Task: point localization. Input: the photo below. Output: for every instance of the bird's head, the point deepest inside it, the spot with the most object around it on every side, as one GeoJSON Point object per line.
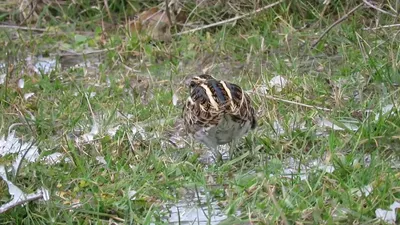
{"type": "Point", "coordinates": [199, 79]}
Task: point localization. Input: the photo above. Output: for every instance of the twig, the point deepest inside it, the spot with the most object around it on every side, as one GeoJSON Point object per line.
{"type": "Point", "coordinates": [90, 107]}
{"type": "Point", "coordinates": [129, 68]}
{"type": "Point", "coordinates": [131, 145]}
{"type": "Point", "coordinates": [108, 12]}
{"type": "Point", "coordinates": [282, 214]}
{"type": "Point", "coordinates": [23, 28]}
{"type": "Point", "coordinates": [30, 197]}
{"type": "Point", "coordinates": [335, 24]}
{"type": "Point", "coordinates": [229, 20]}
{"type": "Point", "coordinates": [381, 27]}
{"type": "Point", "coordinates": [19, 160]}
{"type": "Point", "coordinates": [14, 125]}
{"type": "Point", "coordinates": [99, 214]}
{"type": "Point", "coordinates": [73, 53]}
{"type": "Point", "coordinates": [24, 117]}
{"type": "Point", "coordinates": [41, 29]}
{"type": "Point", "coordinates": [378, 9]}
{"type": "Point", "coordinates": [168, 12]}
{"type": "Point", "coordinates": [297, 103]}
{"type": "Point", "coordinates": [30, 12]}
{"type": "Point", "coordinates": [326, 5]}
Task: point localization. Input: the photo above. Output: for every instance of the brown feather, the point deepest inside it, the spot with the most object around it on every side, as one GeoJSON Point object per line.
{"type": "Point", "coordinates": [210, 100]}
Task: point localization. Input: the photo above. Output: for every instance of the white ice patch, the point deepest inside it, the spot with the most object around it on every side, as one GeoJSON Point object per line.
{"type": "Point", "coordinates": [18, 196]}
{"type": "Point", "coordinates": [21, 83]}
{"type": "Point", "coordinates": [327, 168]}
{"type": "Point", "coordinates": [16, 193]}
{"type": "Point", "coordinates": [28, 95]}
{"type": "Point", "coordinates": [263, 89]}
{"type": "Point", "coordinates": [11, 144]}
{"type": "Point", "coordinates": [384, 111]}
{"type": "Point", "coordinates": [389, 216]}
{"type": "Point", "coordinates": [88, 137]}
{"type": "Point", "coordinates": [44, 65]}
{"type": "Point", "coordinates": [112, 131]}
{"type": "Point", "coordinates": [124, 116]}
{"type": "Point", "coordinates": [132, 194]}
{"type": "Point", "coordinates": [278, 128]}
{"type": "Point", "coordinates": [108, 82]}
{"type": "Point", "coordinates": [363, 191]}
{"type": "Point", "coordinates": [278, 82]}
{"type": "Point", "coordinates": [101, 160]}
{"type": "Point", "coordinates": [175, 99]}
{"type": "Point", "coordinates": [55, 158]}
{"type": "Point", "coordinates": [325, 123]}
{"type": "Point", "coordinates": [292, 172]}
{"type": "Point", "coordinates": [138, 130]}
{"type": "Point", "coordinates": [294, 168]}
{"type": "Point", "coordinates": [2, 78]}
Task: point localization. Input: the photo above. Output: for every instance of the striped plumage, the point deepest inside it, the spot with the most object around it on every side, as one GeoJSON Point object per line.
{"type": "Point", "coordinates": [217, 112]}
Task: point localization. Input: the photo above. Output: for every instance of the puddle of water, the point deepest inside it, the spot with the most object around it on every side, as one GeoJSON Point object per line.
{"type": "Point", "coordinates": [41, 65]}
{"type": "Point", "coordinates": [195, 208]}
{"type": "Point", "coordinates": [45, 65]}
{"type": "Point", "coordinates": [186, 213]}
{"type": "Point", "coordinates": [55, 158]}
{"type": "Point", "coordinates": [296, 168]}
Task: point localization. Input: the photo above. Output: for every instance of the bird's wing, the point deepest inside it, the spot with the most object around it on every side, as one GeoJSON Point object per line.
{"type": "Point", "coordinates": [239, 104]}
{"type": "Point", "coordinates": [211, 100]}
{"type": "Point", "coordinates": [200, 110]}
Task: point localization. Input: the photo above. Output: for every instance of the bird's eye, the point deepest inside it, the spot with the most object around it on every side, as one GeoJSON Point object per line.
{"type": "Point", "coordinates": [192, 84]}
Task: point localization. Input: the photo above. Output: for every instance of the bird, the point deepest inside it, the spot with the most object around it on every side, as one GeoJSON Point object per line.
{"type": "Point", "coordinates": [217, 112]}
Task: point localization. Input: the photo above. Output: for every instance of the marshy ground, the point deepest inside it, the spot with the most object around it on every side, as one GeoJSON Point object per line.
{"type": "Point", "coordinates": [93, 104]}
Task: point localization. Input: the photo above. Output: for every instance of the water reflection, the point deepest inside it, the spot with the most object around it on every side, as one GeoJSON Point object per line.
{"type": "Point", "coordinates": [197, 207]}
{"type": "Point", "coordinates": [185, 212]}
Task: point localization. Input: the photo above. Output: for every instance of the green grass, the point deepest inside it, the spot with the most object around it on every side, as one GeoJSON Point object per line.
{"type": "Point", "coordinates": [348, 60]}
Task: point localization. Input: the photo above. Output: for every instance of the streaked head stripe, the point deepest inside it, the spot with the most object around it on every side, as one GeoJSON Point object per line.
{"type": "Point", "coordinates": [228, 91]}
{"type": "Point", "coordinates": [218, 91]}
{"type": "Point", "coordinates": [209, 95]}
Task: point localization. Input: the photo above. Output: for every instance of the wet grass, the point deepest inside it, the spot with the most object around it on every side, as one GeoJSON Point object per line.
{"type": "Point", "coordinates": [353, 72]}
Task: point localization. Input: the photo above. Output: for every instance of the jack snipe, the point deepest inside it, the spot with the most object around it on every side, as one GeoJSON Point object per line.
{"type": "Point", "coordinates": [217, 112]}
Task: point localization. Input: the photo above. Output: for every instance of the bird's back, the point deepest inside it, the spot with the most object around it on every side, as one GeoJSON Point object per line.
{"type": "Point", "coordinates": [217, 112]}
